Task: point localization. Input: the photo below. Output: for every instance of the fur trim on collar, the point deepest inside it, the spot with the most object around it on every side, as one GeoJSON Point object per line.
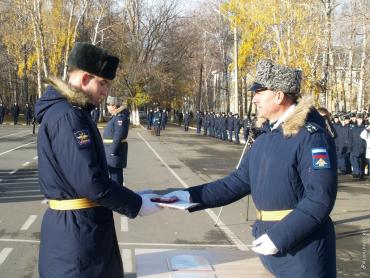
{"type": "Point", "coordinates": [297, 119]}
{"type": "Point", "coordinates": [72, 95]}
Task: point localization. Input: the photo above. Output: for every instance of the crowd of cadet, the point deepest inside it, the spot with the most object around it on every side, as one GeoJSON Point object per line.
{"type": "Point", "coordinates": [350, 131]}
{"type": "Point", "coordinates": [15, 111]}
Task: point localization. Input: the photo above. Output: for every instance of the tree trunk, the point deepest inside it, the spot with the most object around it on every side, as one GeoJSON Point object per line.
{"type": "Point", "coordinates": [68, 42]}
{"type": "Point", "coordinates": [361, 87]}
{"type": "Point", "coordinates": [135, 120]}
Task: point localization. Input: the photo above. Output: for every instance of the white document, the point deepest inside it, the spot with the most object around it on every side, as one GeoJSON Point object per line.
{"type": "Point", "coordinates": [178, 205]}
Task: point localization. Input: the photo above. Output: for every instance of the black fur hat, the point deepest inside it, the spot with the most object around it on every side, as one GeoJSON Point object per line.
{"type": "Point", "coordinates": [94, 60]}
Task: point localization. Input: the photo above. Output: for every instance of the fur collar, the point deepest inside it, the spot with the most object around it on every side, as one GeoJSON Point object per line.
{"type": "Point", "coordinates": [296, 120]}
{"type": "Point", "coordinates": [72, 95]}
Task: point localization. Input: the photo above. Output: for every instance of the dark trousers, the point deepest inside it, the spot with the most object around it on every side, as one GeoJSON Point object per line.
{"type": "Point", "coordinates": [15, 120]}
{"type": "Point", "coordinates": [199, 126]}
{"type": "Point", "coordinates": [116, 174]}
{"type": "Point", "coordinates": [230, 135]}
{"type": "Point", "coordinates": [358, 165]}
{"type": "Point", "coordinates": [157, 129]}
{"type": "Point", "coordinates": [344, 164]}
{"type": "Point", "coordinates": [1, 119]}
{"type": "Point", "coordinates": [237, 137]}
{"type": "Point", "coordinates": [186, 127]}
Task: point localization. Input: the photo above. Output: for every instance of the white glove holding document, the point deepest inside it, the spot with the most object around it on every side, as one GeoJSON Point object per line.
{"type": "Point", "coordinates": [181, 195]}
{"type": "Point", "coordinates": [263, 245]}
{"type": "Point", "coordinates": [147, 206]}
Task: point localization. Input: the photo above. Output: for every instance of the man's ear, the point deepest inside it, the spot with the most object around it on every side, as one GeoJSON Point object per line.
{"type": "Point", "coordinates": [279, 97]}
{"type": "Point", "coordinates": [85, 79]}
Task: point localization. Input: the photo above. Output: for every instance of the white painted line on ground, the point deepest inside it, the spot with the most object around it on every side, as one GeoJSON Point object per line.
{"type": "Point", "coordinates": [136, 243]}
{"type": "Point", "coordinates": [20, 183]}
{"type": "Point", "coordinates": [28, 222]}
{"type": "Point", "coordinates": [21, 146]}
{"type": "Point", "coordinates": [127, 260]}
{"type": "Point", "coordinates": [36, 157]}
{"type": "Point", "coordinates": [45, 201]}
{"type": "Point", "coordinates": [14, 134]}
{"type": "Point", "coordinates": [241, 246]}
{"type": "Point", "coordinates": [26, 163]}
{"type": "Point", "coordinates": [21, 197]}
{"type": "Point", "coordinates": [20, 191]}
{"type": "Point", "coordinates": [124, 224]}
{"type": "Point", "coordinates": [4, 254]}
{"type": "Point", "coordinates": [13, 172]}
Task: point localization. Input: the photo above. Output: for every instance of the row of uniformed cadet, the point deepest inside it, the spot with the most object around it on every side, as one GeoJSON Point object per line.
{"type": "Point", "coordinates": [290, 172]}
{"type": "Point", "coordinates": [78, 238]}
{"type": "Point", "coordinates": [15, 110]}
{"type": "Point", "coordinates": [222, 126]}
{"type": "Point", "coordinates": [351, 148]}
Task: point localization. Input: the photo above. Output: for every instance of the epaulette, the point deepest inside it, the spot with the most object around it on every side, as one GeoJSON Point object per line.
{"type": "Point", "coordinates": [310, 128]}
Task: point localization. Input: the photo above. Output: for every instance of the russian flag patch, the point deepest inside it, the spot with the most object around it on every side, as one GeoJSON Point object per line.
{"type": "Point", "coordinates": [320, 158]}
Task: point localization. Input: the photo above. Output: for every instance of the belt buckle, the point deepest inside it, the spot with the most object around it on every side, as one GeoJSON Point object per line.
{"type": "Point", "coordinates": [258, 215]}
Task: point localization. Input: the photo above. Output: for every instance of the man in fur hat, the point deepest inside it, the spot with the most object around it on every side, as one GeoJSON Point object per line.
{"type": "Point", "coordinates": [78, 238]}
{"type": "Point", "coordinates": [114, 138]}
{"type": "Point", "coordinates": [290, 171]}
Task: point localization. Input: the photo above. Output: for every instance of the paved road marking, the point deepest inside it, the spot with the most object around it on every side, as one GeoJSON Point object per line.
{"type": "Point", "coordinates": [28, 222]}
{"type": "Point", "coordinates": [21, 191]}
{"type": "Point", "coordinates": [20, 183]}
{"type": "Point", "coordinates": [211, 214]}
{"type": "Point", "coordinates": [124, 224]}
{"type": "Point", "coordinates": [22, 197]}
{"type": "Point", "coordinates": [26, 163]}
{"type": "Point", "coordinates": [136, 243]}
{"type": "Point", "coordinates": [127, 260]}
{"type": "Point", "coordinates": [21, 146]}
{"type": "Point", "coordinates": [13, 172]}
{"type": "Point", "coordinates": [14, 134]}
{"type": "Point", "coordinates": [36, 157]}
{"type": "Point", "coordinates": [45, 201]}
{"type": "Point", "coordinates": [4, 254]}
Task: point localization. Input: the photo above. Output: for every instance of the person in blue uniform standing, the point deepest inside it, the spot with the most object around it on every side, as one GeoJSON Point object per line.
{"type": "Point", "coordinates": [290, 171]}
{"type": "Point", "coordinates": [358, 148]}
{"type": "Point", "coordinates": [187, 119]}
{"type": "Point", "coordinates": [164, 119]}
{"type": "Point", "coordinates": [95, 114]}
{"type": "Point", "coordinates": [230, 125]}
{"type": "Point", "coordinates": [237, 126]}
{"type": "Point", "coordinates": [114, 138]}
{"type": "Point", "coordinates": [2, 113]}
{"type": "Point", "coordinates": [78, 238]}
{"type": "Point", "coordinates": [15, 113]}
{"type": "Point", "coordinates": [28, 114]}
{"type": "Point", "coordinates": [198, 121]}
{"type": "Point", "coordinates": [157, 118]}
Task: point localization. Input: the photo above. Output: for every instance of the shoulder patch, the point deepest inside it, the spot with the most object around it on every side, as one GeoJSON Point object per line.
{"type": "Point", "coordinates": [320, 158]}
{"type": "Point", "coordinates": [82, 137]}
{"type": "Point", "coordinates": [310, 128]}
{"type": "Point", "coordinates": [119, 122]}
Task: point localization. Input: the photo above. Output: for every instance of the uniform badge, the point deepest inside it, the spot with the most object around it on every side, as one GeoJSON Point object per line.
{"type": "Point", "coordinates": [83, 137]}
{"type": "Point", "coordinates": [320, 158]}
{"type": "Point", "coordinates": [119, 123]}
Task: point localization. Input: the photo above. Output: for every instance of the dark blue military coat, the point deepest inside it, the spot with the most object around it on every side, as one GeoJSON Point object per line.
{"type": "Point", "coordinates": [290, 169]}
{"type": "Point", "coordinates": [116, 130]}
{"type": "Point", "coordinates": [77, 243]}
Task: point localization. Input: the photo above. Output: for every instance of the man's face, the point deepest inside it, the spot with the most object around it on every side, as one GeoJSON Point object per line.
{"type": "Point", "coordinates": [265, 102]}
{"type": "Point", "coordinates": [110, 108]}
{"type": "Point", "coordinates": [359, 121]}
{"type": "Point", "coordinates": [96, 87]}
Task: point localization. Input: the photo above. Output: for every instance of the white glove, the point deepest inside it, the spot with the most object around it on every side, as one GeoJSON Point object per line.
{"type": "Point", "coordinates": [182, 195]}
{"type": "Point", "coordinates": [148, 207]}
{"type": "Point", "coordinates": [263, 245]}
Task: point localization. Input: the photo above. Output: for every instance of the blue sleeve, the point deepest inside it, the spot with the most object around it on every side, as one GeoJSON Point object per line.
{"type": "Point", "coordinates": [320, 189]}
{"type": "Point", "coordinates": [80, 165]}
{"type": "Point", "coordinates": [121, 126]}
{"type": "Point", "coordinates": [223, 191]}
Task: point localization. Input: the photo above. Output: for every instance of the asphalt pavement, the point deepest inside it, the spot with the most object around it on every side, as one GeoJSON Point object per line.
{"type": "Point", "coordinates": [176, 159]}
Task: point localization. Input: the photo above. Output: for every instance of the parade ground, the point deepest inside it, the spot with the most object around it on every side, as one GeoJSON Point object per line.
{"type": "Point", "coordinates": [156, 246]}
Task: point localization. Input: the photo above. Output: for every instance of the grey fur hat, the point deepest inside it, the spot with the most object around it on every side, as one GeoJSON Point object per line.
{"type": "Point", "coordinates": [117, 101]}
{"type": "Point", "coordinates": [94, 60]}
{"type": "Point", "coordinates": [277, 78]}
